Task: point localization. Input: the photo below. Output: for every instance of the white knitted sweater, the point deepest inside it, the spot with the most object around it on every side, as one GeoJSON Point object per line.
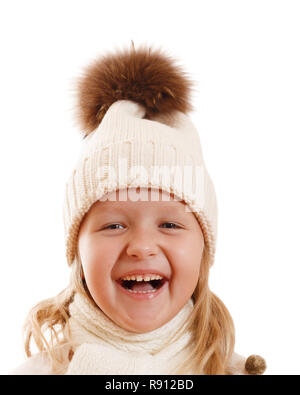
{"type": "Point", "coordinates": [103, 348]}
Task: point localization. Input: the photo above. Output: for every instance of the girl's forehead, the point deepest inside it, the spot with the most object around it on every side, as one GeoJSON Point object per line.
{"type": "Point", "coordinates": [134, 200]}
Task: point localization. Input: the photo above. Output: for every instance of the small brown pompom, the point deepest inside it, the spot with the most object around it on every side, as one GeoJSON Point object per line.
{"type": "Point", "coordinates": [255, 365]}
{"type": "Point", "coordinates": [143, 75]}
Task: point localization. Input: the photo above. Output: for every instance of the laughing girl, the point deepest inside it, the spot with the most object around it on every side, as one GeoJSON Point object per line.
{"type": "Point", "coordinates": [140, 218]}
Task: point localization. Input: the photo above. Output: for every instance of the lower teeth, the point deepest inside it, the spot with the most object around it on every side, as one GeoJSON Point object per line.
{"type": "Point", "coordinates": [142, 292]}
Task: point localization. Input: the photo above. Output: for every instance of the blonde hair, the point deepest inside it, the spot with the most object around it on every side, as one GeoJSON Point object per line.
{"type": "Point", "coordinates": [210, 323]}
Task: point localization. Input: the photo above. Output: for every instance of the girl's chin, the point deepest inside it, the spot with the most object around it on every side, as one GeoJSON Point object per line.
{"type": "Point", "coordinates": [137, 313]}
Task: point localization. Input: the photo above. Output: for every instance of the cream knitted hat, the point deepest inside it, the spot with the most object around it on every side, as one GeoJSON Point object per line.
{"type": "Point", "coordinates": [132, 106]}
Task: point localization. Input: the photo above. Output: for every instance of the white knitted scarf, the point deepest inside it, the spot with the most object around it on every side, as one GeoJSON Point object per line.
{"type": "Point", "coordinates": [102, 347]}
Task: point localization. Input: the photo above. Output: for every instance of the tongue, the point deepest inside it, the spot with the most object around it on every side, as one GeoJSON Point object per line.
{"type": "Point", "coordinates": [142, 286]}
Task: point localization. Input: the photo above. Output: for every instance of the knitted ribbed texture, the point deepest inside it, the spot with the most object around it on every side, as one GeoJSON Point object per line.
{"type": "Point", "coordinates": [129, 151]}
{"type": "Point", "coordinates": [102, 347]}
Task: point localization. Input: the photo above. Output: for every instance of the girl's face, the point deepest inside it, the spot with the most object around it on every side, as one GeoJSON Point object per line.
{"type": "Point", "coordinates": [120, 238]}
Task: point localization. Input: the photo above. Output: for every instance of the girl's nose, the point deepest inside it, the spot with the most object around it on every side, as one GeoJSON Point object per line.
{"type": "Point", "coordinates": [142, 247]}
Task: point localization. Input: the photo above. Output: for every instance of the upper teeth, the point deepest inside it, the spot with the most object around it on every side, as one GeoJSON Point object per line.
{"type": "Point", "coordinates": [146, 277]}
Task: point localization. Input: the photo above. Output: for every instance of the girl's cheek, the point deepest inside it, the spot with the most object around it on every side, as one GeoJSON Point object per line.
{"type": "Point", "coordinates": [187, 272]}
{"type": "Point", "coordinates": [94, 249]}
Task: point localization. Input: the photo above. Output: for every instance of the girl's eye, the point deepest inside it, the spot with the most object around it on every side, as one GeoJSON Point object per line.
{"type": "Point", "coordinates": [169, 223]}
{"type": "Point", "coordinates": [109, 227]}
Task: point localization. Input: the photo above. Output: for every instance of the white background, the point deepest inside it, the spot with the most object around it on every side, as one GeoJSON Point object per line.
{"type": "Point", "coordinates": [244, 56]}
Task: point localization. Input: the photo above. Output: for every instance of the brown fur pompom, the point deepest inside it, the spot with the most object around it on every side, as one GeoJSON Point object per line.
{"type": "Point", "coordinates": [143, 75]}
{"type": "Point", "coordinates": [255, 365]}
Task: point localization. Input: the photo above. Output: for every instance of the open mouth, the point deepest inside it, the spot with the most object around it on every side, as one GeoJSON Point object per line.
{"type": "Point", "coordinates": [142, 286]}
